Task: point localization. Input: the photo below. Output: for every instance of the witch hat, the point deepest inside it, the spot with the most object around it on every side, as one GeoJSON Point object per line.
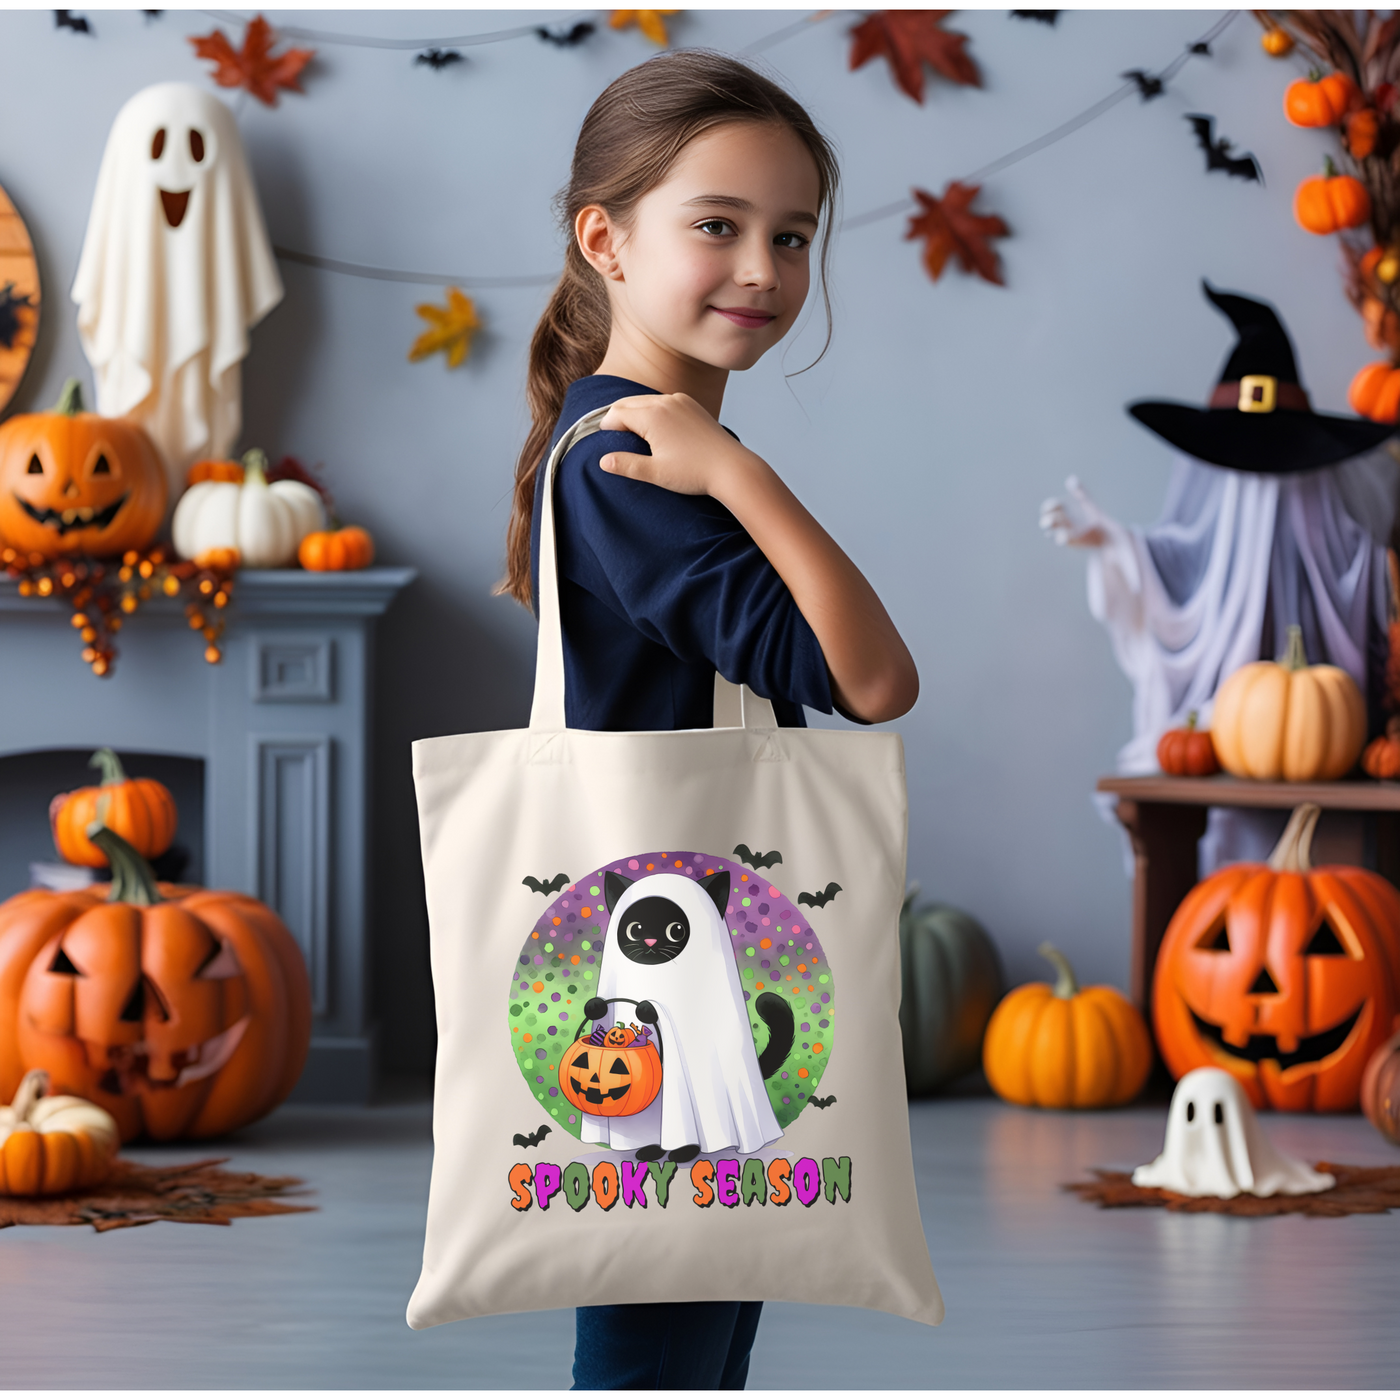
{"type": "Point", "coordinates": [1259, 418]}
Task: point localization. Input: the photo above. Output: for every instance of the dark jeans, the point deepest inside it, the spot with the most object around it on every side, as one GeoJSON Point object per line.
{"type": "Point", "coordinates": [664, 1346]}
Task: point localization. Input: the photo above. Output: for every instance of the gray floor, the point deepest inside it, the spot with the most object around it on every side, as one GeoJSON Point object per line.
{"type": "Point", "coordinates": [1042, 1291]}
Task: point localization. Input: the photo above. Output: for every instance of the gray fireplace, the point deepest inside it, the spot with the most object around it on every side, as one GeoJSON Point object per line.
{"type": "Point", "coordinates": [271, 745]}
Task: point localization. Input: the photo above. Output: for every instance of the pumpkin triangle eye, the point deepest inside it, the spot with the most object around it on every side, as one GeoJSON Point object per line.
{"type": "Point", "coordinates": [582, 1061]}
{"type": "Point", "coordinates": [1216, 942]}
{"type": "Point", "coordinates": [1325, 944]}
{"type": "Point", "coordinates": [102, 467]}
{"type": "Point", "coordinates": [36, 467]}
{"type": "Point", "coordinates": [1264, 985]}
{"type": "Point", "coordinates": [135, 1004]}
{"type": "Point", "coordinates": [618, 1067]}
{"type": "Point", "coordinates": [64, 964]}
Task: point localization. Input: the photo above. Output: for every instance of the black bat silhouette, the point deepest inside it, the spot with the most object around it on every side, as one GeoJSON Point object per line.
{"type": "Point", "coordinates": [822, 897]}
{"type": "Point", "coordinates": [1200, 48]}
{"type": "Point", "coordinates": [823, 1103]}
{"type": "Point", "coordinates": [1148, 87]}
{"type": "Point", "coordinates": [1040, 16]}
{"type": "Point", "coordinates": [546, 886]}
{"type": "Point", "coordinates": [10, 306]}
{"type": "Point", "coordinates": [1217, 151]}
{"type": "Point", "coordinates": [66, 19]}
{"type": "Point", "coordinates": [438, 59]}
{"type": "Point", "coordinates": [530, 1139]}
{"type": "Point", "coordinates": [566, 38]}
{"type": "Point", "coordinates": [758, 860]}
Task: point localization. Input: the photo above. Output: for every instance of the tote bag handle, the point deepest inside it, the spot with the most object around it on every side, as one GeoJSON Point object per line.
{"type": "Point", "coordinates": [736, 707]}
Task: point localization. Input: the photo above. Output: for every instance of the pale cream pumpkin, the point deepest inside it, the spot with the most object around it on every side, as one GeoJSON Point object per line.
{"type": "Point", "coordinates": [52, 1145]}
{"type": "Point", "coordinates": [1287, 720]}
{"type": "Point", "coordinates": [265, 522]}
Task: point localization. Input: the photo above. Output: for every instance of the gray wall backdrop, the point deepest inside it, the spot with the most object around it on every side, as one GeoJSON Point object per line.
{"type": "Point", "coordinates": [925, 440]}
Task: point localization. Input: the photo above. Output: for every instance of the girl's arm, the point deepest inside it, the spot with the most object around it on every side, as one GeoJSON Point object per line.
{"type": "Point", "coordinates": [873, 676]}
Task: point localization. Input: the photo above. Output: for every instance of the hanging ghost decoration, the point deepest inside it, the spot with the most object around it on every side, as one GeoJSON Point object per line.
{"type": "Point", "coordinates": [175, 268]}
{"type": "Point", "coordinates": [1215, 1146]}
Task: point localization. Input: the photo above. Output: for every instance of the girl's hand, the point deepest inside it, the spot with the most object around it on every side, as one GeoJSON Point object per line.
{"type": "Point", "coordinates": [690, 452]}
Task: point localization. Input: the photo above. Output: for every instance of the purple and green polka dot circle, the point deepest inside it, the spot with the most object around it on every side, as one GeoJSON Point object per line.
{"type": "Point", "coordinates": [775, 948]}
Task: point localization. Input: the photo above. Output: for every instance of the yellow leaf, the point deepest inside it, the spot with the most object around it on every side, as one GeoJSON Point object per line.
{"type": "Point", "coordinates": [650, 22]}
{"type": "Point", "coordinates": [450, 328]}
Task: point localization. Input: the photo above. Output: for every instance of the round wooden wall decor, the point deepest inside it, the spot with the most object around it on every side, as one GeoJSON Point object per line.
{"type": "Point", "coordinates": [19, 299]}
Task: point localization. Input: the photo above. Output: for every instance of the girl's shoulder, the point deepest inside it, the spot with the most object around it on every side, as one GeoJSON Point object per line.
{"type": "Point", "coordinates": [591, 392]}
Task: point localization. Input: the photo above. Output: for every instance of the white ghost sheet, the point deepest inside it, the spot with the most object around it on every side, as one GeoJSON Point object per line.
{"type": "Point", "coordinates": [175, 268]}
{"type": "Point", "coordinates": [1215, 1146]}
{"type": "Point", "coordinates": [712, 1093]}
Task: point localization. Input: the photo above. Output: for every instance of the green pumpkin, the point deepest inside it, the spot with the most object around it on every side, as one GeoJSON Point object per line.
{"type": "Point", "coordinates": [952, 982]}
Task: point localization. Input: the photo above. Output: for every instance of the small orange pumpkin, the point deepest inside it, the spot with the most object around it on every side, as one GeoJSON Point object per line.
{"type": "Point", "coordinates": [1375, 391]}
{"type": "Point", "coordinates": [1380, 1089]}
{"type": "Point", "coordinates": [619, 1036]}
{"type": "Point", "coordinates": [1382, 756]}
{"type": "Point", "coordinates": [610, 1081]}
{"type": "Point", "coordinates": [212, 470]}
{"type": "Point", "coordinates": [53, 1145]}
{"type": "Point", "coordinates": [1319, 101]}
{"type": "Point", "coordinates": [1063, 1047]}
{"type": "Point", "coordinates": [1277, 43]}
{"type": "Point", "coordinates": [332, 551]}
{"type": "Point", "coordinates": [1188, 752]}
{"type": "Point", "coordinates": [140, 810]}
{"type": "Point", "coordinates": [76, 483]}
{"type": "Point", "coordinates": [1331, 202]}
{"type": "Point", "coordinates": [1360, 132]}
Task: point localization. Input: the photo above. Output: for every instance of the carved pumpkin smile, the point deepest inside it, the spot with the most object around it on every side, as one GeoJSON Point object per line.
{"type": "Point", "coordinates": [130, 1065]}
{"type": "Point", "coordinates": [1311, 1049]}
{"type": "Point", "coordinates": [74, 518]}
{"type": "Point", "coordinates": [174, 202]}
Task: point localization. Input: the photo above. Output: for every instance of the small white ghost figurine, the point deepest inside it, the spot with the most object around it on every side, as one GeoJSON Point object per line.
{"type": "Point", "coordinates": [1215, 1146]}
{"type": "Point", "coordinates": [175, 268]}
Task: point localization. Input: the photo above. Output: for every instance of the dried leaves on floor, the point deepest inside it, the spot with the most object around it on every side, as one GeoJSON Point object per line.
{"type": "Point", "coordinates": [198, 1193]}
{"type": "Point", "coordinates": [1359, 1191]}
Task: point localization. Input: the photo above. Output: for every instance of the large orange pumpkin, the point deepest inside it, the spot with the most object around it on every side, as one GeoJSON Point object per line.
{"type": "Point", "coordinates": [140, 810]}
{"type": "Point", "coordinates": [182, 1012]}
{"type": "Point", "coordinates": [610, 1081]}
{"type": "Point", "coordinates": [76, 483]}
{"type": "Point", "coordinates": [1330, 202]}
{"type": "Point", "coordinates": [1318, 100]}
{"type": "Point", "coordinates": [1375, 390]}
{"type": "Point", "coordinates": [1286, 976]}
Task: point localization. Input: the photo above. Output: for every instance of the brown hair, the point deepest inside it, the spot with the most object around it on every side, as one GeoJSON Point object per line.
{"type": "Point", "coordinates": [627, 145]}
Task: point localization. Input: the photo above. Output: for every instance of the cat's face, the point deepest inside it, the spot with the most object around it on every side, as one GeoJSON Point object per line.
{"type": "Point", "coordinates": [653, 931]}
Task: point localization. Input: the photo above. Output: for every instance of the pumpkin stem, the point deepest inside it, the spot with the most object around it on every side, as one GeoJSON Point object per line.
{"type": "Point", "coordinates": [1328, 169]}
{"type": "Point", "coordinates": [1065, 985]}
{"type": "Point", "coordinates": [111, 766]}
{"type": "Point", "coordinates": [70, 401]}
{"type": "Point", "coordinates": [1294, 658]}
{"type": "Point", "coordinates": [255, 466]}
{"type": "Point", "coordinates": [1294, 850]}
{"type": "Point", "coordinates": [1191, 717]}
{"type": "Point", "coordinates": [133, 880]}
{"type": "Point", "coordinates": [32, 1088]}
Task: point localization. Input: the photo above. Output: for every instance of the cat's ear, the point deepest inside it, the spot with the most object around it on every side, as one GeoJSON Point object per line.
{"type": "Point", "coordinates": [614, 887]}
{"type": "Point", "coordinates": [717, 887]}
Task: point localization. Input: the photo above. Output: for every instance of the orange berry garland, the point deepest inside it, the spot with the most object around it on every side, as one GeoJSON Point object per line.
{"type": "Point", "coordinates": [105, 592]}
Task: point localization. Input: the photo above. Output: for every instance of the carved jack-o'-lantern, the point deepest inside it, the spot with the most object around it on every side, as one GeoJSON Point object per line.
{"type": "Point", "coordinates": [1286, 976]}
{"type": "Point", "coordinates": [619, 1036]}
{"type": "Point", "coordinates": [182, 1012]}
{"type": "Point", "coordinates": [610, 1081]}
{"type": "Point", "coordinates": [76, 483]}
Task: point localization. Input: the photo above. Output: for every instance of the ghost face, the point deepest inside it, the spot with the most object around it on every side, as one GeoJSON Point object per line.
{"type": "Point", "coordinates": [182, 149]}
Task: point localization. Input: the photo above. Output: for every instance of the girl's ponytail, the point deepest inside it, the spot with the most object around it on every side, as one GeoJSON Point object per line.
{"type": "Point", "coordinates": [626, 147]}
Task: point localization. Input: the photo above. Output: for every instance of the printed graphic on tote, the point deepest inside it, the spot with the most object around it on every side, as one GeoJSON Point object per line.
{"type": "Point", "coordinates": [672, 1004]}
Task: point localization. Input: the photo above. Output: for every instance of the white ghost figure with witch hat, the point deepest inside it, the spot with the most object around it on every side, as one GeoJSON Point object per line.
{"type": "Point", "coordinates": [175, 268]}
{"type": "Point", "coordinates": [669, 962]}
{"type": "Point", "coordinates": [1215, 1146]}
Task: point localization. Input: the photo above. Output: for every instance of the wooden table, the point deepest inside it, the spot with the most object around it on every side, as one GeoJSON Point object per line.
{"type": "Point", "coordinates": [1165, 818]}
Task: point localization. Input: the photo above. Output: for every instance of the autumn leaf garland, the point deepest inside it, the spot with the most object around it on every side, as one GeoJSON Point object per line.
{"type": "Point", "coordinates": [909, 39]}
{"type": "Point", "coordinates": [949, 228]}
{"type": "Point", "coordinates": [254, 66]}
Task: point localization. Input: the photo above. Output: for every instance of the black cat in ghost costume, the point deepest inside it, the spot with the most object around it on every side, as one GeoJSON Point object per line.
{"type": "Point", "coordinates": [669, 962]}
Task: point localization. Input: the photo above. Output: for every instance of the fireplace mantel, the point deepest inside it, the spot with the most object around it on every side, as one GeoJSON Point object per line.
{"type": "Point", "coordinates": [282, 727]}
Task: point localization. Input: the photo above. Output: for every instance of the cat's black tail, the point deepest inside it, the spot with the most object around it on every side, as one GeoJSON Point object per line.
{"type": "Point", "coordinates": [778, 1015]}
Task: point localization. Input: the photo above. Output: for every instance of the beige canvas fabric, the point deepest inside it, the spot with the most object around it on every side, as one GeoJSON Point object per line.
{"type": "Point", "coordinates": [825, 1212]}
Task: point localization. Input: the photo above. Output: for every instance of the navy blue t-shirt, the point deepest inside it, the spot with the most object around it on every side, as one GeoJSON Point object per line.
{"type": "Point", "coordinates": [658, 591]}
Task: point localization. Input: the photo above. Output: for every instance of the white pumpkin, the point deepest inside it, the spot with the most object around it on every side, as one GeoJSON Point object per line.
{"type": "Point", "coordinates": [52, 1145]}
{"type": "Point", "coordinates": [265, 522]}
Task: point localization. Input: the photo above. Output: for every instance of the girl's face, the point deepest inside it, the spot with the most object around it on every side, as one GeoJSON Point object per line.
{"type": "Point", "coordinates": [716, 261]}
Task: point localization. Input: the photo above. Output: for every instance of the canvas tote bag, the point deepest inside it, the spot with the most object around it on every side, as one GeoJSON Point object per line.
{"type": "Point", "coordinates": [667, 976]}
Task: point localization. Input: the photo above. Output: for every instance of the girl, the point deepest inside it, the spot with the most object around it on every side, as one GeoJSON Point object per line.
{"type": "Point", "coordinates": [697, 192]}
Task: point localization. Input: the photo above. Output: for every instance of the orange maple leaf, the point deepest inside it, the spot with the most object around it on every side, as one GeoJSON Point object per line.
{"type": "Point", "coordinates": [908, 39]}
{"type": "Point", "coordinates": [650, 22]}
{"type": "Point", "coordinates": [949, 227]}
{"type": "Point", "coordinates": [254, 66]}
